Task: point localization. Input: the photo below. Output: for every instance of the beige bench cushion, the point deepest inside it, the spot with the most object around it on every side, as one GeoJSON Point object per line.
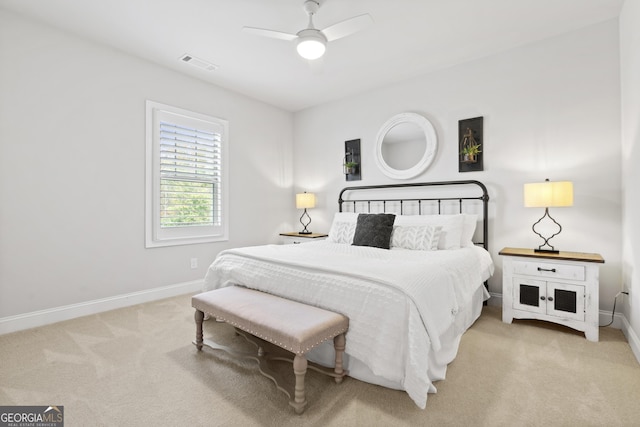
{"type": "Point", "coordinates": [288, 324]}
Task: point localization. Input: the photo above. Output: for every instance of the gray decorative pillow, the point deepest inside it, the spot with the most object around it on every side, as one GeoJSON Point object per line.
{"type": "Point", "coordinates": [374, 230]}
{"type": "Point", "coordinates": [416, 237]}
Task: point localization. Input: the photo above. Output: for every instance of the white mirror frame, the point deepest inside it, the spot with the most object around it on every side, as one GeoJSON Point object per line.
{"type": "Point", "coordinates": [429, 152]}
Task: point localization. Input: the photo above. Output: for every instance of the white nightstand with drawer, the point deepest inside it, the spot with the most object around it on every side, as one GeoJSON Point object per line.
{"type": "Point", "coordinates": [561, 288]}
{"type": "Point", "coordinates": [295, 238]}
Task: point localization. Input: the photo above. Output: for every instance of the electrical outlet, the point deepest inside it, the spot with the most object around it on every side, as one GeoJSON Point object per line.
{"type": "Point", "coordinates": [194, 263]}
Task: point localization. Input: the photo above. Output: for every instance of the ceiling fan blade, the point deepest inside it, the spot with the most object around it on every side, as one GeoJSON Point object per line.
{"type": "Point", "coordinates": [347, 27]}
{"type": "Point", "coordinates": [269, 33]}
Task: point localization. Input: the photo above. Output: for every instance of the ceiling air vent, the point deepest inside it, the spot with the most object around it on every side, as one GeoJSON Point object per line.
{"type": "Point", "coordinates": [197, 62]}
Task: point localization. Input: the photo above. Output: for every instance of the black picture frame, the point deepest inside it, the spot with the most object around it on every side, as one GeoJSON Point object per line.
{"type": "Point", "coordinates": [352, 155]}
{"type": "Point", "coordinates": [470, 131]}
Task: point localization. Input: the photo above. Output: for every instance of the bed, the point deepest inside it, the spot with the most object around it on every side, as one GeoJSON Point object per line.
{"type": "Point", "coordinates": [408, 303]}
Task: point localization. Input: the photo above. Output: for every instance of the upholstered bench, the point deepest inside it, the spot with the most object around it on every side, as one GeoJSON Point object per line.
{"type": "Point", "coordinates": [290, 325]}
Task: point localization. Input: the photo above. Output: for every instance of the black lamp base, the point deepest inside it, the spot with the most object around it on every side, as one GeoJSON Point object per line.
{"type": "Point", "coordinates": [546, 243]}
{"type": "Point", "coordinates": [305, 224]}
{"type": "Point", "coordinates": [546, 251]}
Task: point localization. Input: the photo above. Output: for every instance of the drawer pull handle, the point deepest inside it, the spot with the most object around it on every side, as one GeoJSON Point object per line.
{"type": "Point", "coordinates": [553, 270]}
{"type": "Point", "coordinates": [550, 298]}
{"type": "Point", "coordinates": [542, 298]}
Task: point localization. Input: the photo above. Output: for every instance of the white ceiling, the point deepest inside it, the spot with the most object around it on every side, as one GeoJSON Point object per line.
{"type": "Point", "coordinates": [408, 37]}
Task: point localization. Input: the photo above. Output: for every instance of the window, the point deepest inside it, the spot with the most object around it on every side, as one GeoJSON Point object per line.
{"type": "Point", "coordinates": [186, 177]}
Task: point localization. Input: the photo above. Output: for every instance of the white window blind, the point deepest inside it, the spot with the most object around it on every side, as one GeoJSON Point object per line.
{"type": "Point", "coordinates": [189, 176]}
{"type": "Point", "coordinates": [186, 191]}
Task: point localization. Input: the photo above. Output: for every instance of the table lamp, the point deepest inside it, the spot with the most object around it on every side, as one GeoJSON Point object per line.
{"type": "Point", "coordinates": [547, 195]}
{"type": "Point", "coordinates": [303, 201]}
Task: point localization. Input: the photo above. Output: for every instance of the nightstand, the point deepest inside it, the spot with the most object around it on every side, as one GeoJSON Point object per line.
{"type": "Point", "coordinates": [561, 288]}
{"type": "Point", "coordinates": [295, 238]}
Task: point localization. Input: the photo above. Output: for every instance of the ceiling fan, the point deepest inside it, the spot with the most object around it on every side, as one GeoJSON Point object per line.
{"type": "Point", "coordinates": [311, 42]}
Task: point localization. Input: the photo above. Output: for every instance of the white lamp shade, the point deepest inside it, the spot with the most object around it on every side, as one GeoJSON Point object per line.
{"type": "Point", "coordinates": [548, 194]}
{"type": "Point", "coordinates": [305, 200]}
{"type": "Point", "coordinates": [311, 44]}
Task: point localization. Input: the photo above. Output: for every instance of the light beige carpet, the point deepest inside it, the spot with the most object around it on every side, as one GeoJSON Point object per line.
{"type": "Point", "coordinates": [137, 367]}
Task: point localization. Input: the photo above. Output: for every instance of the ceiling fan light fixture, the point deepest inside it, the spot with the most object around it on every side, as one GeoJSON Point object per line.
{"type": "Point", "coordinates": [311, 44]}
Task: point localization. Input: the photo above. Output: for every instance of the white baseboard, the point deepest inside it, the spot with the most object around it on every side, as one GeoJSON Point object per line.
{"type": "Point", "coordinates": [495, 300]}
{"type": "Point", "coordinates": [632, 338]}
{"type": "Point", "coordinates": [45, 317]}
{"type": "Point", "coordinates": [604, 318]}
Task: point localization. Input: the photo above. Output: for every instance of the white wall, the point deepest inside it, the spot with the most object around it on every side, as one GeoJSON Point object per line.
{"type": "Point", "coordinates": [630, 77]}
{"type": "Point", "coordinates": [551, 110]}
{"type": "Point", "coordinates": [72, 170]}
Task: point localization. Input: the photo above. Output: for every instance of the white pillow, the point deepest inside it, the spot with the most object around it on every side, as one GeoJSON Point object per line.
{"type": "Point", "coordinates": [452, 226]}
{"type": "Point", "coordinates": [343, 227]}
{"type": "Point", "coordinates": [457, 230]}
{"type": "Point", "coordinates": [346, 217]}
{"type": "Point", "coordinates": [468, 230]}
{"type": "Point", "coordinates": [416, 237]}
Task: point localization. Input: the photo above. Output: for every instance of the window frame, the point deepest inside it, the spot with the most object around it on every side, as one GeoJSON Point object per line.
{"type": "Point", "coordinates": [155, 236]}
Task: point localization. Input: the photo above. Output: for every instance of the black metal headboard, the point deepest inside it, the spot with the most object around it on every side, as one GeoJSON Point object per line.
{"type": "Point", "coordinates": [424, 202]}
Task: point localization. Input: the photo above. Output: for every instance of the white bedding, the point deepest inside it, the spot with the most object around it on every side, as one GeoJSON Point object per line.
{"type": "Point", "coordinates": [401, 304]}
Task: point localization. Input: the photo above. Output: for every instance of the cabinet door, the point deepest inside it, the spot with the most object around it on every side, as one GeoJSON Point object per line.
{"type": "Point", "coordinates": [565, 300]}
{"type": "Point", "coordinates": [529, 295]}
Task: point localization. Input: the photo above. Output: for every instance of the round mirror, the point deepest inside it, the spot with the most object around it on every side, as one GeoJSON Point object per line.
{"type": "Point", "coordinates": [405, 146]}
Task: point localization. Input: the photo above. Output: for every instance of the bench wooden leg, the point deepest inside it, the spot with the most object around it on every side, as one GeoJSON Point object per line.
{"type": "Point", "coordinates": [199, 316]}
{"type": "Point", "coordinates": [339, 342]}
{"type": "Point", "coordinates": [299, 369]}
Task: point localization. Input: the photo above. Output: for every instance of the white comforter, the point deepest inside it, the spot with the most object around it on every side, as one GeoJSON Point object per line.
{"type": "Point", "coordinates": [399, 302]}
